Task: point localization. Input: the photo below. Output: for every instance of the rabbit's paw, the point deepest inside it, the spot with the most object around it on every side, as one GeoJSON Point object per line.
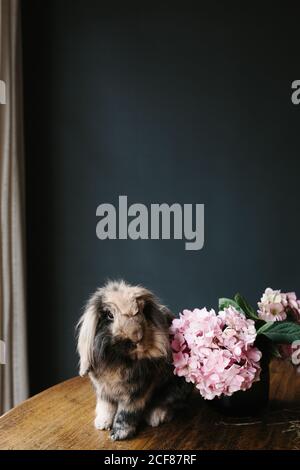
{"type": "Point", "coordinates": [103, 422]}
{"type": "Point", "coordinates": [119, 434]}
{"type": "Point", "coordinates": [158, 416]}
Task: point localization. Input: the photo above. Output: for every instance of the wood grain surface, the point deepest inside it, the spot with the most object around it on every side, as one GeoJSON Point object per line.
{"type": "Point", "coordinates": [62, 418]}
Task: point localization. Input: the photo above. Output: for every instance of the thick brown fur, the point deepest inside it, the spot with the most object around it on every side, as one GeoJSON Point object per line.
{"type": "Point", "coordinates": [124, 347]}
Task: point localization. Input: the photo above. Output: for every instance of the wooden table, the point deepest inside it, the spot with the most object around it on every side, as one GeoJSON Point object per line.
{"type": "Point", "coordinates": [62, 418]}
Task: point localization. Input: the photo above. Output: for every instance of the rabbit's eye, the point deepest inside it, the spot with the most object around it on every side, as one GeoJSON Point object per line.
{"type": "Point", "coordinates": [108, 314]}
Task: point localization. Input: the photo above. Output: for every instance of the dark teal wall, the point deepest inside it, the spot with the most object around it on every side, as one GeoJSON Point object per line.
{"type": "Point", "coordinates": [163, 104]}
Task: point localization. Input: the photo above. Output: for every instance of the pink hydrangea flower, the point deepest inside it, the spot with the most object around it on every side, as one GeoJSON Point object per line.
{"type": "Point", "coordinates": [291, 352]}
{"type": "Point", "coordinates": [293, 305]}
{"type": "Point", "coordinates": [275, 305]}
{"type": "Point", "coordinates": [215, 351]}
{"type": "Point", "coordinates": [272, 306]}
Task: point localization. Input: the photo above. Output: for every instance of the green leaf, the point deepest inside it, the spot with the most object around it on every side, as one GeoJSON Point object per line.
{"type": "Point", "coordinates": [281, 331]}
{"type": "Point", "coordinates": [225, 303]}
{"type": "Point", "coordinates": [265, 327]}
{"type": "Point", "coordinates": [243, 304]}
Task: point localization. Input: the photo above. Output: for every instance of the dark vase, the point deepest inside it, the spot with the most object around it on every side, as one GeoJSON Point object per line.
{"type": "Point", "coordinates": [247, 403]}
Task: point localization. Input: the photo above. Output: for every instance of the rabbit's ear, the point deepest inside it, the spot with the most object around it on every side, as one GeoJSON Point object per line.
{"type": "Point", "coordinates": [87, 329]}
{"type": "Point", "coordinates": [158, 318]}
{"type": "Point", "coordinates": [148, 302]}
{"type": "Point", "coordinates": [167, 314]}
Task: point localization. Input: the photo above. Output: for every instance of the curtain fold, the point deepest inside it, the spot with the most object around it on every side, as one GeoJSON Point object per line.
{"type": "Point", "coordinates": [13, 377]}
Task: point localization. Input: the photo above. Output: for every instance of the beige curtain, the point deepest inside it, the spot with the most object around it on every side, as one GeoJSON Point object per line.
{"type": "Point", "coordinates": [13, 385]}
